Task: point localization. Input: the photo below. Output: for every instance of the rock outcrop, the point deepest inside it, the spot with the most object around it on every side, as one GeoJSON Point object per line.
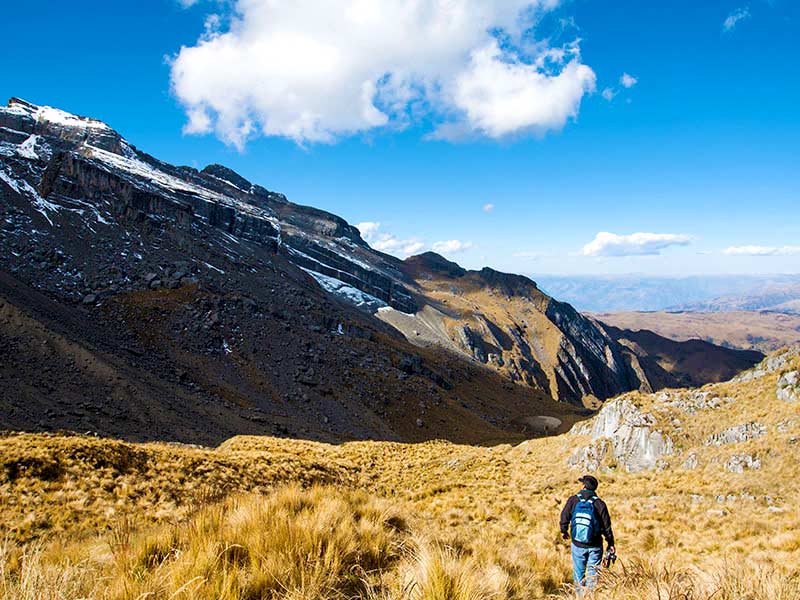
{"type": "Point", "coordinates": [737, 434]}
{"type": "Point", "coordinates": [507, 323]}
{"type": "Point", "coordinates": [738, 463]}
{"type": "Point", "coordinates": [771, 364]}
{"type": "Point", "coordinates": [788, 388]}
{"type": "Point", "coordinates": [69, 166]}
{"type": "Point", "coordinates": [623, 434]}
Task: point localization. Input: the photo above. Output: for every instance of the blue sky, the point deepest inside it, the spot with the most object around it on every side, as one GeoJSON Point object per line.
{"type": "Point", "coordinates": [699, 156]}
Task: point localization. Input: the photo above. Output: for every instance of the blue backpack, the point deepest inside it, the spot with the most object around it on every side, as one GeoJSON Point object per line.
{"type": "Point", "coordinates": [584, 520]}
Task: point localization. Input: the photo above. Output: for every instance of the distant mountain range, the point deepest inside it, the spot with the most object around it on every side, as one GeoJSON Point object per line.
{"type": "Point", "coordinates": [779, 293]}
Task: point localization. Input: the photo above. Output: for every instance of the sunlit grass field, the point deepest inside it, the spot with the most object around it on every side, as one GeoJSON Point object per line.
{"type": "Point", "coordinates": [270, 518]}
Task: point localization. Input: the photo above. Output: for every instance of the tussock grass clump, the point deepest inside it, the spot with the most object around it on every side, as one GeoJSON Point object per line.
{"type": "Point", "coordinates": [650, 580]}
{"type": "Point", "coordinates": [317, 543]}
{"type": "Point", "coordinates": [293, 544]}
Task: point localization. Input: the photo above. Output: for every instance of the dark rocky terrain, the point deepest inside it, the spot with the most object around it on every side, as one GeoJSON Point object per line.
{"type": "Point", "coordinates": [149, 301]}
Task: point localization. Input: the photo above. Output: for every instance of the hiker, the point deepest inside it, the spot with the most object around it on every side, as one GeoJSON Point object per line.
{"type": "Point", "coordinates": [586, 520]}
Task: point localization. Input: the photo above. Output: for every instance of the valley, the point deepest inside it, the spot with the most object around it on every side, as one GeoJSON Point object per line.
{"type": "Point", "coordinates": [745, 330]}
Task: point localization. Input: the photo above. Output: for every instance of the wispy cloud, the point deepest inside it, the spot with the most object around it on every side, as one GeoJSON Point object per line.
{"type": "Point", "coordinates": [634, 244]}
{"type": "Point", "coordinates": [733, 19]}
{"type": "Point", "coordinates": [608, 94]}
{"type": "Point", "coordinates": [761, 250]}
{"type": "Point", "coordinates": [487, 208]}
{"type": "Point", "coordinates": [451, 246]}
{"type": "Point", "coordinates": [387, 242]}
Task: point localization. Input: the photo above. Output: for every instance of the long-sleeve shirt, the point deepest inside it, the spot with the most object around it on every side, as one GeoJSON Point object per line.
{"type": "Point", "coordinates": [603, 520]}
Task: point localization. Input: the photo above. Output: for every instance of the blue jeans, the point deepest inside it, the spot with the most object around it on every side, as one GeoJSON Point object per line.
{"type": "Point", "coordinates": [584, 566]}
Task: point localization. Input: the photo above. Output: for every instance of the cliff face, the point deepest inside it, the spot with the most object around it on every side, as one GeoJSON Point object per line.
{"type": "Point", "coordinates": [68, 166]}
{"type": "Point", "coordinates": [504, 321]}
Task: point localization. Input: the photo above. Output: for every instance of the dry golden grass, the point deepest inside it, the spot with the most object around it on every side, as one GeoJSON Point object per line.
{"type": "Point", "coordinates": [103, 519]}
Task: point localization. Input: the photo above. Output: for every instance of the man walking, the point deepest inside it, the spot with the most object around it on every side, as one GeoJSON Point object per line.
{"type": "Point", "coordinates": [586, 520]}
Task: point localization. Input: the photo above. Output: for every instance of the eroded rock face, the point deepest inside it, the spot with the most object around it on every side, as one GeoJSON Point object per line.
{"type": "Point", "coordinates": [788, 388]}
{"type": "Point", "coordinates": [737, 434]}
{"type": "Point", "coordinates": [77, 172]}
{"type": "Point", "coordinates": [739, 462]}
{"type": "Point", "coordinates": [690, 402]}
{"type": "Point", "coordinates": [633, 441]}
{"type": "Point", "coordinates": [506, 322]}
{"type": "Point", "coordinates": [768, 365]}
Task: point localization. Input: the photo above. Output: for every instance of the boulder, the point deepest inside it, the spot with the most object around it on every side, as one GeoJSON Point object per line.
{"type": "Point", "coordinates": [788, 388]}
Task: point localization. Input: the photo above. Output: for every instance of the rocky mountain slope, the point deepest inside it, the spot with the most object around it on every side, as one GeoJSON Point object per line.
{"type": "Point", "coordinates": [146, 300]}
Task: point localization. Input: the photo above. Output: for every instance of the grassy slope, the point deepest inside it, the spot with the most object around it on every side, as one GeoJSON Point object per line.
{"type": "Point", "coordinates": [154, 517]}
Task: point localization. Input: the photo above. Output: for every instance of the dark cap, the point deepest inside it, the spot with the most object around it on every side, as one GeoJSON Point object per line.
{"type": "Point", "coordinates": [589, 482]}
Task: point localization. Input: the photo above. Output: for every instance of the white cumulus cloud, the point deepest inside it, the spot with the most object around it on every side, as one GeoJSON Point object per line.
{"type": "Point", "coordinates": [315, 71]}
{"type": "Point", "coordinates": [628, 81]}
{"type": "Point", "coordinates": [451, 246]}
{"type": "Point", "coordinates": [733, 19]}
{"type": "Point", "coordinates": [386, 242]}
{"type": "Point", "coordinates": [634, 244]}
{"type": "Point", "coordinates": [500, 98]}
{"type": "Point", "coordinates": [608, 94]}
{"type": "Point", "coordinates": [762, 250]}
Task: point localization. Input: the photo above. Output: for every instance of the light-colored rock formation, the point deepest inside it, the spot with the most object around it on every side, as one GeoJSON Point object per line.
{"type": "Point", "coordinates": [692, 400]}
{"type": "Point", "coordinates": [737, 434]}
{"type": "Point", "coordinates": [739, 462]}
{"type": "Point", "coordinates": [633, 441]}
{"type": "Point", "coordinates": [768, 365]}
{"type": "Point", "coordinates": [691, 462]}
{"type": "Point", "coordinates": [788, 388]}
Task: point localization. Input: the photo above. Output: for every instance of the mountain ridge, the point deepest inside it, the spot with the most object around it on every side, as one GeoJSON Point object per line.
{"type": "Point", "coordinates": [264, 308]}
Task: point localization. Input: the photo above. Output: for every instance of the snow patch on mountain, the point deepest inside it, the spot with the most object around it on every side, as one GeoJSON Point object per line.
{"type": "Point", "coordinates": [27, 149]}
{"type": "Point", "coordinates": [141, 170]}
{"type": "Point", "coordinates": [347, 292]}
{"type": "Point", "coordinates": [54, 115]}
{"type": "Point", "coordinates": [25, 189]}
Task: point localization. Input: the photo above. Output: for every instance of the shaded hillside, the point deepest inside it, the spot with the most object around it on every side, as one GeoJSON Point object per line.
{"type": "Point", "coordinates": [178, 365]}
{"type": "Point", "coordinates": [670, 363]}
{"type": "Point", "coordinates": [750, 330]}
